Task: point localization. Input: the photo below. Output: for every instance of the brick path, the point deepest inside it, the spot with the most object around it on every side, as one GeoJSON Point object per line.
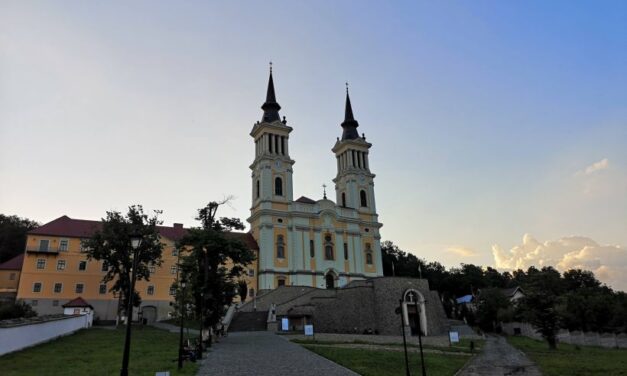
{"type": "Point", "coordinates": [499, 358]}
{"type": "Point", "coordinates": [265, 354]}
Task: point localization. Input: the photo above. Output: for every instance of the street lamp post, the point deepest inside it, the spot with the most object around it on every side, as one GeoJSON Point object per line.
{"type": "Point", "coordinates": [182, 318]}
{"type": "Point", "coordinates": [400, 312]}
{"type": "Point", "coordinates": [419, 327]}
{"type": "Point", "coordinates": [135, 243]}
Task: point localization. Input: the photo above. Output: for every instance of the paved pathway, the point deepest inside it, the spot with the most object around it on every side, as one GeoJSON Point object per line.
{"type": "Point", "coordinates": [173, 328]}
{"type": "Point", "coordinates": [499, 358]}
{"type": "Point", "coordinates": [265, 354]}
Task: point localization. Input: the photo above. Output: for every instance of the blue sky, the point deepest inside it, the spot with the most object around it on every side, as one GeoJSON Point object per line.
{"type": "Point", "coordinates": [484, 115]}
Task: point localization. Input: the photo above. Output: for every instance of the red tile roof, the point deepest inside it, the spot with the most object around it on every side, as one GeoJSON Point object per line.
{"type": "Point", "coordinates": [77, 302]}
{"type": "Point", "coordinates": [305, 200]}
{"type": "Point", "coordinates": [13, 264]}
{"type": "Point", "coordinates": [82, 228]}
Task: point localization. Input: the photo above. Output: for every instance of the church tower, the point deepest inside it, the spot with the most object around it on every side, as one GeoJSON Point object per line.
{"type": "Point", "coordinates": [354, 183]}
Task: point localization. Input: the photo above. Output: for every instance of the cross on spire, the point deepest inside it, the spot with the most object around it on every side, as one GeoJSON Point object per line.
{"type": "Point", "coordinates": [324, 188]}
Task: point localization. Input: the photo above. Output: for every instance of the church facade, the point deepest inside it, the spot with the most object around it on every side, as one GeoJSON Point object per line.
{"type": "Point", "coordinates": [305, 242]}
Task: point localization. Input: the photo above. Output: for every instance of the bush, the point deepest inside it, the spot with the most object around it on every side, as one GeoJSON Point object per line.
{"type": "Point", "coordinates": [16, 310]}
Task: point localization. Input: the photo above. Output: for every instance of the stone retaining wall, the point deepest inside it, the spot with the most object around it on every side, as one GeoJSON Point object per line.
{"type": "Point", "coordinates": [607, 340]}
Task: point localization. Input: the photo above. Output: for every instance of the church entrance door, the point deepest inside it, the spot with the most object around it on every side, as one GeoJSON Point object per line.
{"type": "Point", "coordinates": [330, 280]}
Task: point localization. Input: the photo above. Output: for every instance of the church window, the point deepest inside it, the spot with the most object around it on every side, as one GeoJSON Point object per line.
{"type": "Point", "coordinates": [343, 199]}
{"type": "Point", "coordinates": [278, 186]}
{"type": "Point", "coordinates": [312, 251]}
{"type": "Point", "coordinates": [282, 145]}
{"type": "Point", "coordinates": [328, 248]}
{"type": "Point", "coordinates": [280, 247]}
{"type": "Point", "coordinates": [258, 188]}
{"type": "Point", "coordinates": [270, 142]}
{"type": "Point", "coordinates": [368, 254]}
{"type": "Point", "coordinates": [345, 251]}
{"type": "Point", "coordinates": [280, 281]}
{"type": "Point", "coordinates": [363, 198]}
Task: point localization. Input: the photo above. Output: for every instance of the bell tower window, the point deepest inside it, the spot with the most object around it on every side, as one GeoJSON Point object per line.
{"type": "Point", "coordinates": [343, 199]}
{"type": "Point", "coordinates": [280, 247]}
{"type": "Point", "coordinates": [328, 248]}
{"type": "Point", "coordinates": [278, 186]}
{"type": "Point", "coordinates": [257, 189]}
{"type": "Point", "coordinates": [363, 198]}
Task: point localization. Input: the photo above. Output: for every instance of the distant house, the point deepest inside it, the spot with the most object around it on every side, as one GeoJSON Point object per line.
{"type": "Point", "coordinates": [513, 294]}
{"type": "Point", "coordinates": [10, 277]}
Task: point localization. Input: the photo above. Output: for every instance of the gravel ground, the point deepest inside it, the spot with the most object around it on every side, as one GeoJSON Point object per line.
{"type": "Point", "coordinates": [499, 358]}
{"type": "Point", "coordinates": [265, 354]}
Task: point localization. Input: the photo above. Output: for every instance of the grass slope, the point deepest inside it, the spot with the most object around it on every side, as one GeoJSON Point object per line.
{"type": "Point", "coordinates": [98, 352]}
{"type": "Point", "coordinates": [389, 363]}
{"type": "Point", "coordinates": [571, 360]}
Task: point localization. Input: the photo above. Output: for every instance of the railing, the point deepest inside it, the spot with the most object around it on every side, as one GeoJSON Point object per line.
{"type": "Point", "coordinates": [41, 250]}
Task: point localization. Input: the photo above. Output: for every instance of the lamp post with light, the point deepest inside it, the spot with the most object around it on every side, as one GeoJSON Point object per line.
{"type": "Point", "coordinates": [136, 241]}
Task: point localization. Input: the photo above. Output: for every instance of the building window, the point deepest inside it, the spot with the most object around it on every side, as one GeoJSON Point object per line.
{"type": "Point", "coordinates": [280, 282]}
{"type": "Point", "coordinates": [79, 288]}
{"type": "Point", "coordinates": [150, 290]}
{"type": "Point", "coordinates": [328, 248]}
{"type": "Point", "coordinates": [12, 277]}
{"type": "Point", "coordinates": [251, 292]}
{"type": "Point", "coordinates": [41, 263]}
{"type": "Point", "coordinates": [105, 266]}
{"type": "Point", "coordinates": [175, 251]}
{"type": "Point", "coordinates": [368, 254]}
{"type": "Point", "coordinates": [37, 287]}
{"type": "Point", "coordinates": [84, 245]}
{"type": "Point", "coordinates": [63, 245]}
{"type": "Point", "coordinates": [34, 303]}
{"type": "Point", "coordinates": [60, 264]}
{"type": "Point", "coordinates": [312, 250]}
{"type": "Point", "coordinates": [278, 186]}
{"type": "Point", "coordinates": [102, 289]}
{"type": "Point", "coordinates": [55, 303]}
{"type": "Point", "coordinates": [280, 247]}
{"type": "Point", "coordinates": [172, 290]}
{"type": "Point", "coordinates": [58, 287]}
{"type": "Point", "coordinates": [173, 269]}
{"type": "Point", "coordinates": [345, 251]}
{"type": "Point", "coordinates": [251, 272]}
{"type": "Point", "coordinates": [82, 265]}
{"type": "Point", "coordinates": [258, 189]}
{"type": "Point", "coordinates": [363, 198]}
{"type": "Point", "coordinates": [343, 199]}
{"type": "Point", "coordinates": [43, 245]}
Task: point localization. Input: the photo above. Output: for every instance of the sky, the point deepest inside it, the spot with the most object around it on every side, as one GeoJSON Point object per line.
{"type": "Point", "coordinates": [498, 128]}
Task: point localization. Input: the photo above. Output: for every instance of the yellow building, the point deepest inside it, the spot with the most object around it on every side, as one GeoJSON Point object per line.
{"type": "Point", "coordinates": [9, 277]}
{"type": "Point", "coordinates": [56, 270]}
{"type": "Point", "coordinates": [304, 242]}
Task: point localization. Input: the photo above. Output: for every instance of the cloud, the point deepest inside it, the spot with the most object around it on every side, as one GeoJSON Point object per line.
{"type": "Point", "coordinates": [461, 251]}
{"type": "Point", "coordinates": [608, 262]}
{"type": "Point", "coordinates": [603, 164]}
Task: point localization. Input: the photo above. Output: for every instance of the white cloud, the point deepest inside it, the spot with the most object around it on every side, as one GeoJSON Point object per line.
{"type": "Point", "coordinates": [608, 262]}
{"type": "Point", "coordinates": [603, 164]}
{"type": "Point", "coordinates": [461, 251]}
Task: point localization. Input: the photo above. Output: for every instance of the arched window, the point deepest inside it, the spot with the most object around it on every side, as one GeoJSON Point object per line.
{"type": "Point", "coordinates": [328, 248]}
{"type": "Point", "coordinates": [312, 251]}
{"type": "Point", "coordinates": [346, 251]}
{"type": "Point", "coordinates": [278, 186]}
{"type": "Point", "coordinates": [368, 254]}
{"type": "Point", "coordinates": [280, 247]}
{"type": "Point", "coordinates": [363, 198]}
{"type": "Point", "coordinates": [258, 188]}
{"type": "Point", "coordinates": [330, 281]}
{"type": "Point", "coordinates": [343, 199]}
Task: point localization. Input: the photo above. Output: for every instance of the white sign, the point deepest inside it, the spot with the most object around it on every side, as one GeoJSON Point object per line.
{"type": "Point", "coordinates": [285, 324]}
{"type": "Point", "coordinates": [453, 337]}
{"type": "Point", "coordinates": [309, 330]}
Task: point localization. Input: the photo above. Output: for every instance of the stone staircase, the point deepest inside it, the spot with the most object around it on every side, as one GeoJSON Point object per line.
{"type": "Point", "coordinates": [249, 321]}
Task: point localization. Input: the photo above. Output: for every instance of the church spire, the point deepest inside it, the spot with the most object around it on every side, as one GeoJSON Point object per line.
{"type": "Point", "coordinates": [270, 107]}
{"type": "Point", "coordinates": [350, 124]}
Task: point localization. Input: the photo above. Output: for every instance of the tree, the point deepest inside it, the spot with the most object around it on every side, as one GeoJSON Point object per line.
{"type": "Point", "coordinates": [210, 247]}
{"type": "Point", "coordinates": [242, 288]}
{"type": "Point", "coordinates": [491, 302]}
{"type": "Point", "coordinates": [13, 231]}
{"type": "Point", "coordinates": [112, 245]}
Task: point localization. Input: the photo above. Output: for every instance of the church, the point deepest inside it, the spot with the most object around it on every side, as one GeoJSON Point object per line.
{"type": "Point", "coordinates": [303, 242]}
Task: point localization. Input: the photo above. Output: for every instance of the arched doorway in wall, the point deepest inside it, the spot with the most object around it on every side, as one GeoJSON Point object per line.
{"type": "Point", "coordinates": [329, 280]}
{"type": "Point", "coordinates": [413, 310]}
{"type": "Point", "coordinates": [149, 313]}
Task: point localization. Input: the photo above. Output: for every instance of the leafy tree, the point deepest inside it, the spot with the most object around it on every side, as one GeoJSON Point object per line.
{"type": "Point", "coordinates": [491, 301]}
{"type": "Point", "coordinates": [242, 288]}
{"type": "Point", "coordinates": [213, 284]}
{"type": "Point", "coordinates": [13, 231]}
{"type": "Point", "coordinates": [112, 245]}
{"type": "Point", "coordinates": [14, 310]}
{"type": "Point", "coordinates": [577, 278]}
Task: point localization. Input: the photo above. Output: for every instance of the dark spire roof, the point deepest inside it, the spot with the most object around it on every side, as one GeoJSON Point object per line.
{"type": "Point", "coordinates": [350, 124]}
{"type": "Point", "coordinates": [270, 107]}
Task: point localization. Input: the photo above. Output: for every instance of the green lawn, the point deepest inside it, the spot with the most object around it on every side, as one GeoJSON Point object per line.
{"type": "Point", "coordinates": [390, 363]}
{"type": "Point", "coordinates": [98, 351]}
{"type": "Point", "coordinates": [571, 360]}
{"type": "Point", "coordinates": [463, 346]}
